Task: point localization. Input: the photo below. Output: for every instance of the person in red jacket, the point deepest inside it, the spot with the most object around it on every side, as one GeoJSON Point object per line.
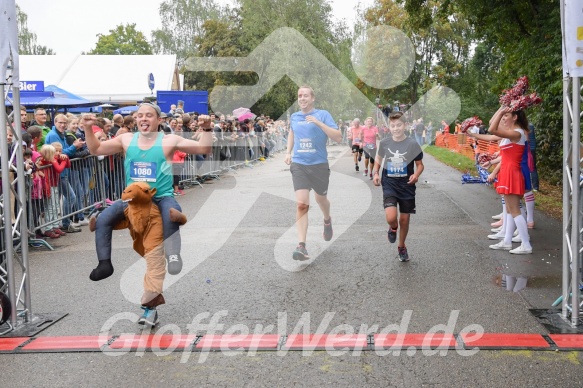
{"type": "Point", "coordinates": [56, 163]}
{"type": "Point", "coordinates": [177, 167]}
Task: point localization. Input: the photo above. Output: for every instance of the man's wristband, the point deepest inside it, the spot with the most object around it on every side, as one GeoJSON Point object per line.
{"type": "Point", "coordinates": [375, 173]}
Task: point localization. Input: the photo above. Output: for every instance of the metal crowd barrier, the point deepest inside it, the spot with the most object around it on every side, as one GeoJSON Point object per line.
{"type": "Point", "coordinates": [227, 155]}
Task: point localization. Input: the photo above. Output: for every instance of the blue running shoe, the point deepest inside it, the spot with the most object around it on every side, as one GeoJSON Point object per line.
{"type": "Point", "coordinates": [150, 316]}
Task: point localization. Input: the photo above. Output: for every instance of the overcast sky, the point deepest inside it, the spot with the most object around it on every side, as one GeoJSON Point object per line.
{"type": "Point", "coordinates": [71, 26]}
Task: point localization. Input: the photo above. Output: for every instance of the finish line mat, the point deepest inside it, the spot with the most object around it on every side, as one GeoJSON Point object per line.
{"type": "Point", "coordinates": [296, 342]}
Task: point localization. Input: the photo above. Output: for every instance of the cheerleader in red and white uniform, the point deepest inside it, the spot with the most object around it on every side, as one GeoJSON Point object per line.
{"type": "Point", "coordinates": [512, 126]}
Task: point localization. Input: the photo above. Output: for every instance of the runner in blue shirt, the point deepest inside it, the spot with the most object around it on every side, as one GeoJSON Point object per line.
{"type": "Point", "coordinates": [308, 160]}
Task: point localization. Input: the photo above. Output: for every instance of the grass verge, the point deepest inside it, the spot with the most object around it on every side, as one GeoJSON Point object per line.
{"type": "Point", "coordinates": [549, 198]}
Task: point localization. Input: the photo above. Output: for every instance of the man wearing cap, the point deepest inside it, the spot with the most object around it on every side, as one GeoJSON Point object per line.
{"type": "Point", "coordinates": [165, 127]}
{"type": "Point", "coordinates": [148, 158]}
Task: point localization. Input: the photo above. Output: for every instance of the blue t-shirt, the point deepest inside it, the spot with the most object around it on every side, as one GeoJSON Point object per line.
{"type": "Point", "coordinates": [309, 139]}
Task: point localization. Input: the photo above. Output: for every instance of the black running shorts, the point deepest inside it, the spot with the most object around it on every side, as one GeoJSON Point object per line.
{"type": "Point", "coordinates": [370, 154]}
{"type": "Point", "coordinates": [307, 177]}
{"type": "Point", "coordinates": [406, 206]}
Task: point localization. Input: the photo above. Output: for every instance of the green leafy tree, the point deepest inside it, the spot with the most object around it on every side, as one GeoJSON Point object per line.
{"type": "Point", "coordinates": [527, 38]}
{"type": "Point", "coordinates": [123, 40]}
{"type": "Point", "coordinates": [313, 19]}
{"type": "Point", "coordinates": [220, 39]}
{"type": "Point", "coordinates": [243, 28]}
{"type": "Point", "coordinates": [442, 44]}
{"type": "Point", "coordinates": [182, 26]}
{"type": "Point", "coordinates": [27, 44]}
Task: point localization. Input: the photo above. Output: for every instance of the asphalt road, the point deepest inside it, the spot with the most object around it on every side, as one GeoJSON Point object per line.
{"type": "Point", "coordinates": [238, 270]}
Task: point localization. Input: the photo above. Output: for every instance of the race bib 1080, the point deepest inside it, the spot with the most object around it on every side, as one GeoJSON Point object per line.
{"type": "Point", "coordinates": [143, 171]}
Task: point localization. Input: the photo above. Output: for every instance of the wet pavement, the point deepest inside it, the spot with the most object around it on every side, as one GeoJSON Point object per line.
{"type": "Point", "coordinates": [238, 271]}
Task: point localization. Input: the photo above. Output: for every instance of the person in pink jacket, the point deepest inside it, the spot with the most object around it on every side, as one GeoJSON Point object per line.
{"type": "Point", "coordinates": [177, 167]}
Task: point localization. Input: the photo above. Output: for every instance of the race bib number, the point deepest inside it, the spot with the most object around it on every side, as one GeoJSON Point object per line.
{"type": "Point", "coordinates": [357, 140]}
{"type": "Point", "coordinates": [306, 145]}
{"type": "Point", "coordinates": [143, 171]}
{"type": "Point", "coordinates": [396, 169]}
{"type": "Point", "coordinates": [371, 146]}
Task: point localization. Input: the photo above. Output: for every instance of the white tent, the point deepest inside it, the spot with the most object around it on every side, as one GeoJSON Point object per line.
{"type": "Point", "coordinates": [105, 78]}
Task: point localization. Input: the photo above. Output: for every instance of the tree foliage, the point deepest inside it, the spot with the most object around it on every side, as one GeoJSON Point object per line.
{"type": "Point", "coordinates": [182, 26]}
{"type": "Point", "coordinates": [27, 44]}
{"type": "Point", "coordinates": [442, 44]}
{"type": "Point", "coordinates": [249, 24]}
{"type": "Point", "coordinates": [123, 40]}
{"type": "Point", "coordinates": [523, 37]}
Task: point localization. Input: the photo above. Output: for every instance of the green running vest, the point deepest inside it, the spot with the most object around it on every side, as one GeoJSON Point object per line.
{"type": "Point", "coordinates": [149, 166]}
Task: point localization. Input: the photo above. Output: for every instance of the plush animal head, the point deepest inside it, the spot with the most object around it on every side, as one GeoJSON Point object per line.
{"type": "Point", "coordinates": [138, 193]}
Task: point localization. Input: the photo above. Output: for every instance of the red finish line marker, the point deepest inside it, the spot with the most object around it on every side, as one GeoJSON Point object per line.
{"type": "Point", "coordinates": [568, 341]}
{"type": "Point", "coordinates": [419, 341]}
{"type": "Point", "coordinates": [62, 344]}
{"type": "Point", "coordinates": [238, 342]}
{"type": "Point", "coordinates": [152, 342]}
{"type": "Point", "coordinates": [10, 344]}
{"type": "Point", "coordinates": [326, 342]}
{"type": "Point", "coordinates": [505, 341]}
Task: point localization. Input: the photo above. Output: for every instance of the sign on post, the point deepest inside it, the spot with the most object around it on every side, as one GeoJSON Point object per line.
{"type": "Point", "coordinates": [573, 39]}
{"type": "Point", "coordinates": [151, 81]}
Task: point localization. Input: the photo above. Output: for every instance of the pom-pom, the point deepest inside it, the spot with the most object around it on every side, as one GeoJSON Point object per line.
{"type": "Point", "coordinates": [516, 97]}
{"type": "Point", "coordinates": [469, 123]}
{"type": "Point", "coordinates": [524, 102]}
{"type": "Point", "coordinates": [484, 158]}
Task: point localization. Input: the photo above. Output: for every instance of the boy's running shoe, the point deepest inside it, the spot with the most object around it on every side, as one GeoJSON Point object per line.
{"type": "Point", "coordinates": [356, 167]}
{"type": "Point", "coordinates": [392, 234]}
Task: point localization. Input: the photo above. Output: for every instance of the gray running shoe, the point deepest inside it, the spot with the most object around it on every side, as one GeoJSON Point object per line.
{"type": "Point", "coordinates": [403, 255]}
{"type": "Point", "coordinates": [301, 254]}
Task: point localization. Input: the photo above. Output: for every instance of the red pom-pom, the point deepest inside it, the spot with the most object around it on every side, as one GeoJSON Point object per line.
{"type": "Point", "coordinates": [469, 123]}
{"type": "Point", "coordinates": [484, 158]}
{"type": "Point", "coordinates": [524, 102]}
{"type": "Point", "coordinates": [516, 98]}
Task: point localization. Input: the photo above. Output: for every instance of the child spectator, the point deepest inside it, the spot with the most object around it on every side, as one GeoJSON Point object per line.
{"type": "Point", "coordinates": [56, 164]}
{"type": "Point", "coordinates": [177, 167]}
{"type": "Point", "coordinates": [66, 191]}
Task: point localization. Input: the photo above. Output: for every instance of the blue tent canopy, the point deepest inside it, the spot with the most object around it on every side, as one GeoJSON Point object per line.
{"type": "Point", "coordinates": [30, 98]}
{"type": "Point", "coordinates": [58, 92]}
{"type": "Point", "coordinates": [53, 96]}
{"type": "Point", "coordinates": [126, 110]}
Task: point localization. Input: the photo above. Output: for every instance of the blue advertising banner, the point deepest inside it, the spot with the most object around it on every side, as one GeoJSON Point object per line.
{"type": "Point", "coordinates": [32, 86]}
